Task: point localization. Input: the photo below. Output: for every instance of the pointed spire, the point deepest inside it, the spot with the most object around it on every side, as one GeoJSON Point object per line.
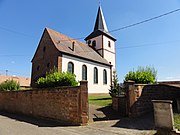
{"type": "Point", "coordinates": [100, 21]}
{"type": "Point", "coordinates": [100, 27]}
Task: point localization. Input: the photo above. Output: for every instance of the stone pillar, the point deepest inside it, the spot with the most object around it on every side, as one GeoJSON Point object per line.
{"type": "Point", "coordinates": [163, 116]}
{"type": "Point", "coordinates": [130, 97]}
{"type": "Point", "coordinates": [83, 103]}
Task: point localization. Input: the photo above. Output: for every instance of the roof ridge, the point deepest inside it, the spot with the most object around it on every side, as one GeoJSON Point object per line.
{"type": "Point", "coordinates": [63, 43]}
{"type": "Point", "coordinates": [59, 33]}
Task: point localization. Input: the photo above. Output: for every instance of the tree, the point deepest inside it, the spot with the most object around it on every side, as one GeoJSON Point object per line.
{"type": "Point", "coordinates": [114, 88]}
{"type": "Point", "coordinates": [147, 75]}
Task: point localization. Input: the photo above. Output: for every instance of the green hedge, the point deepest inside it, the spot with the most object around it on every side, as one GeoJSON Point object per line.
{"type": "Point", "coordinates": [9, 85]}
{"type": "Point", "coordinates": [55, 79]}
{"type": "Point", "coordinates": [142, 75]}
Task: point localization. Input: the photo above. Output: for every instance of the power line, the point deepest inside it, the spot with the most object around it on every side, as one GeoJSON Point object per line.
{"type": "Point", "coordinates": [148, 44]}
{"type": "Point", "coordinates": [16, 32]}
{"type": "Point", "coordinates": [147, 20]}
{"type": "Point", "coordinates": [123, 47]}
{"type": "Point", "coordinates": [111, 31]}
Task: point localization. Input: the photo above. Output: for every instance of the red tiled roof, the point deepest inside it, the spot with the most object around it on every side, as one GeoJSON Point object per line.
{"type": "Point", "coordinates": [64, 44]}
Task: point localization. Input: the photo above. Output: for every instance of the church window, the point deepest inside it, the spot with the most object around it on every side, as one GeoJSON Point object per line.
{"type": "Point", "coordinates": [71, 67]}
{"type": "Point", "coordinates": [95, 75]}
{"type": "Point", "coordinates": [109, 43]}
{"type": "Point", "coordinates": [94, 43]}
{"type": "Point", "coordinates": [84, 72]}
{"type": "Point", "coordinates": [104, 76]}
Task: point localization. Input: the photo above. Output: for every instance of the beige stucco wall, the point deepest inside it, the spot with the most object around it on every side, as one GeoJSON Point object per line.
{"type": "Point", "coordinates": [78, 63]}
{"type": "Point", "coordinates": [107, 52]}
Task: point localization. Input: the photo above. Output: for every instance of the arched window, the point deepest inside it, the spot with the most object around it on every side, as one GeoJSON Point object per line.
{"type": "Point", "coordinates": [95, 75]}
{"type": "Point", "coordinates": [104, 76]}
{"type": "Point", "coordinates": [84, 72]}
{"type": "Point", "coordinates": [94, 43]}
{"type": "Point", "coordinates": [70, 67]}
{"type": "Point", "coordinates": [109, 43]}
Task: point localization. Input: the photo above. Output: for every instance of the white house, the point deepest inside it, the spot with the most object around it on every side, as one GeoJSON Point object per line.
{"type": "Point", "coordinates": [93, 61]}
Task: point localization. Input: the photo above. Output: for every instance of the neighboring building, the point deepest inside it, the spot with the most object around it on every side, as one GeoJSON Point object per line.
{"type": "Point", "coordinates": [94, 61]}
{"type": "Point", "coordinates": [23, 81]}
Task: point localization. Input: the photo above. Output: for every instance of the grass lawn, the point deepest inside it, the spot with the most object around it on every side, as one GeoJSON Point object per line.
{"type": "Point", "coordinates": [177, 121]}
{"type": "Point", "coordinates": [100, 100]}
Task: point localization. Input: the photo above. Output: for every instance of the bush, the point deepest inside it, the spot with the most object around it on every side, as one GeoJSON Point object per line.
{"type": "Point", "coordinates": [142, 75]}
{"type": "Point", "coordinates": [55, 79]}
{"type": "Point", "coordinates": [9, 85]}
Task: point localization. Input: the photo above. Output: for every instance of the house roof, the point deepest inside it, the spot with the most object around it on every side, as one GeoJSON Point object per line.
{"type": "Point", "coordinates": [65, 45]}
{"type": "Point", "coordinates": [100, 27]}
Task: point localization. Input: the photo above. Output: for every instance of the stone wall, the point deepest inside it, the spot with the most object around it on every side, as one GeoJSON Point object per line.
{"type": "Point", "coordinates": [138, 99]}
{"type": "Point", "coordinates": [68, 104]}
{"type": "Point", "coordinates": [46, 58]}
{"type": "Point", "coordinates": [119, 104]}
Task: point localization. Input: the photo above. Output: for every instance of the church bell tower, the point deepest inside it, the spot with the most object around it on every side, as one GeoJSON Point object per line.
{"type": "Point", "coordinates": [102, 41]}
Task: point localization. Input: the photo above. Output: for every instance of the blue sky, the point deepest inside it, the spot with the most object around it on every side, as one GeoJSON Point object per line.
{"type": "Point", "coordinates": [155, 43]}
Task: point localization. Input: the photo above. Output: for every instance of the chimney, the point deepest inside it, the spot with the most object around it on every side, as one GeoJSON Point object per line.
{"type": "Point", "coordinates": [73, 44]}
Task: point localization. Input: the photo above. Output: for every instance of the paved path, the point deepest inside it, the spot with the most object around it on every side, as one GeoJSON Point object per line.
{"type": "Point", "coordinates": [18, 125]}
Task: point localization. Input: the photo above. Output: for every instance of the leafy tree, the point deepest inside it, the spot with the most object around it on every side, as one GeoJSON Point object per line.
{"type": "Point", "coordinates": [142, 75]}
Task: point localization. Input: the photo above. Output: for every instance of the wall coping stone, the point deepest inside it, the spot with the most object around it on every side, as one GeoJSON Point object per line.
{"type": "Point", "coordinates": [162, 101]}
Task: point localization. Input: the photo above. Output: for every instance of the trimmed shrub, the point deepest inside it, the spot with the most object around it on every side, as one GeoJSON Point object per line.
{"type": "Point", "coordinates": [142, 75]}
{"type": "Point", "coordinates": [9, 85]}
{"type": "Point", "coordinates": [55, 79]}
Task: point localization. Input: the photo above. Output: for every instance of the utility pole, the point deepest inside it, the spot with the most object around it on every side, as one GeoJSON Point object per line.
{"type": "Point", "coordinates": [6, 72]}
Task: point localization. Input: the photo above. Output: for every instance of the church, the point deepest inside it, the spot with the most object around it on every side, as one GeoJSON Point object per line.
{"type": "Point", "coordinates": [93, 61]}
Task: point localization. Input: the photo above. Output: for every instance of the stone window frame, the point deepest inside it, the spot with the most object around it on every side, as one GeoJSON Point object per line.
{"type": "Point", "coordinates": [95, 75]}
{"type": "Point", "coordinates": [72, 67]}
{"type": "Point", "coordinates": [104, 76]}
{"type": "Point", "coordinates": [84, 72]}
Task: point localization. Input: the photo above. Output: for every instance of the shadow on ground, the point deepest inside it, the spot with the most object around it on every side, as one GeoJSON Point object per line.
{"type": "Point", "coordinates": [107, 114]}
{"type": "Point", "coordinates": [145, 122]}
{"type": "Point", "coordinates": [35, 121]}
